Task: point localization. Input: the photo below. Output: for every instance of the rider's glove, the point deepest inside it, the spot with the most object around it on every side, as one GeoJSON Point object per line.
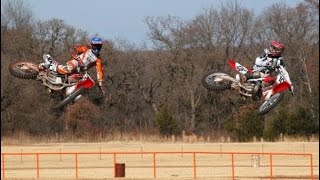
{"type": "Point", "coordinates": [291, 90]}
{"type": "Point", "coordinates": [101, 89]}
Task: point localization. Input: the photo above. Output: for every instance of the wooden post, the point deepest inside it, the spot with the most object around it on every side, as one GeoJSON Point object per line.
{"type": "Point", "coordinates": [304, 149]}
{"type": "Point", "coordinates": [262, 150]}
{"type": "Point", "coordinates": [271, 167]}
{"type": "Point", "coordinates": [20, 155]}
{"type": "Point", "coordinates": [232, 164]}
{"type": "Point", "coordinates": [38, 166]}
{"type": "Point", "coordinates": [220, 150]}
{"type": "Point", "coordinates": [154, 165]}
{"type": "Point", "coordinates": [181, 150]}
{"type": "Point", "coordinates": [3, 171]}
{"type": "Point", "coordinates": [76, 165]}
{"type": "Point", "coordinates": [60, 154]}
{"type": "Point", "coordinates": [194, 166]}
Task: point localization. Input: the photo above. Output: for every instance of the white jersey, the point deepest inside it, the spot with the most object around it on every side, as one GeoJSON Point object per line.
{"type": "Point", "coordinates": [86, 58]}
{"type": "Point", "coordinates": [267, 65]}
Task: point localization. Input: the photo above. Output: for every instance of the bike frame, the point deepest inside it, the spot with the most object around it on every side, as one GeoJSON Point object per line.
{"type": "Point", "coordinates": [279, 86]}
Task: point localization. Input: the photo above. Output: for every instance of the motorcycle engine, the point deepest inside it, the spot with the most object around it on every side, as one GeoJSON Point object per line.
{"type": "Point", "coordinates": [55, 80]}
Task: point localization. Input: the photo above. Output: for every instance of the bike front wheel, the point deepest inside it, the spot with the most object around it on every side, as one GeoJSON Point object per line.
{"type": "Point", "coordinates": [271, 103]}
{"type": "Point", "coordinates": [70, 98]}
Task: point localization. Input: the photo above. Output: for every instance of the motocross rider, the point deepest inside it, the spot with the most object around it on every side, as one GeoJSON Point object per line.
{"type": "Point", "coordinates": [83, 57]}
{"type": "Point", "coordinates": [268, 63]}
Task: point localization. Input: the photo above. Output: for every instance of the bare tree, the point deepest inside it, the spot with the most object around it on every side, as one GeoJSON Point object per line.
{"type": "Point", "coordinates": [56, 38]}
{"type": "Point", "coordinates": [313, 4]}
{"type": "Point", "coordinates": [235, 25]}
{"type": "Point", "coordinates": [298, 29]}
{"type": "Point", "coordinates": [139, 81]}
{"type": "Point", "coordinates": [172, 34]}
{"type": "Point", "coordinates": [16, 19]}
{"type": "Point", "coordinates": [15, 14]}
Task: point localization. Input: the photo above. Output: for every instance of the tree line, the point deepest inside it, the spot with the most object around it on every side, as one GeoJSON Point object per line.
{"type": "Point", "coordinates": [158, 90]}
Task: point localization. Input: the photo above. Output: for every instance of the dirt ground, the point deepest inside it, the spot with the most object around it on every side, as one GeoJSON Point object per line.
{"type": "Point", "coordinates": [172, 160]}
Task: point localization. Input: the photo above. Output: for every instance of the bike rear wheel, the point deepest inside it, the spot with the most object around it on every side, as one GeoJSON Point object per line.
{"type": "Point", "coordinates": [24, 70]}
{"type": "Point", "coordinates": [271, 103]}
{"type": "Point", "coordinates": [214, 82]}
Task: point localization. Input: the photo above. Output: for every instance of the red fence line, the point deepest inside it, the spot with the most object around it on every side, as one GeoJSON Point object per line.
{"type": "Point", "coordinates": [271, 154]}
{"type": "Point", "coordinates": [159, 152]}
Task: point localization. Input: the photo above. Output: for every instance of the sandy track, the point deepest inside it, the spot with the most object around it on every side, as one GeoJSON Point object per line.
{"type": "Point", "coordinates": [169, 166]}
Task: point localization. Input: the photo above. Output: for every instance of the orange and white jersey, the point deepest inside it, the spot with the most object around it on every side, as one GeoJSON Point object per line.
{"type": "Point", "coordinates": [86, 59]}
{"type": "Point", "coordinates": [82, 57]}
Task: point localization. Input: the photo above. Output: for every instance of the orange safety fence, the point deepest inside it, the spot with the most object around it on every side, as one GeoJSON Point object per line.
{"type": "Point", "coordinates": [114, 154]}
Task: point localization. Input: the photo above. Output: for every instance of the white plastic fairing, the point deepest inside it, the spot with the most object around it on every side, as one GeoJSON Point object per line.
{"type": "Point", "coordinates": [241, 69]}
{"type": "Point", "coordinates": [70, 90]}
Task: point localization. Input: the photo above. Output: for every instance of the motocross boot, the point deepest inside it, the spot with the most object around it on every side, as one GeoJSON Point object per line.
{"type": "Point", "coordinates": [48, 63]}
{"type": "Point", "coordinates": [256, 91]}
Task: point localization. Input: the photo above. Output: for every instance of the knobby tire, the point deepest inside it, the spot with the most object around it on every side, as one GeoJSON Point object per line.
{"type": "Point", "coordinates": [215, 86]}
{"type": "Point", "coordinates": [14, 69]}
{"type": "Point", "coordinates": [274, 104]}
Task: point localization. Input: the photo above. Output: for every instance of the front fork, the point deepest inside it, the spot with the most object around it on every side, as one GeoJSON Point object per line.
{"type": "Point", "coordinates": [70, 90]}
{"type": "Point", "coordinates": [267, 94]}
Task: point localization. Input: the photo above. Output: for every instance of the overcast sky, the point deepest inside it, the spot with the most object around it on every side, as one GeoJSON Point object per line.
{"type": "Point", "coordinates": [124, 18]}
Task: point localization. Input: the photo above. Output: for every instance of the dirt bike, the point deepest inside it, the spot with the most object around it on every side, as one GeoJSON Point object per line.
{"type": "Point", "coordinates": [269, 89]}
{"type": "Point", "coordinates": [72, 86]}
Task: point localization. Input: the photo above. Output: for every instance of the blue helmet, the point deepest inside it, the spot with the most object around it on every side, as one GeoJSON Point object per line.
{"type": "Point", "coordinates": [96, 44]}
